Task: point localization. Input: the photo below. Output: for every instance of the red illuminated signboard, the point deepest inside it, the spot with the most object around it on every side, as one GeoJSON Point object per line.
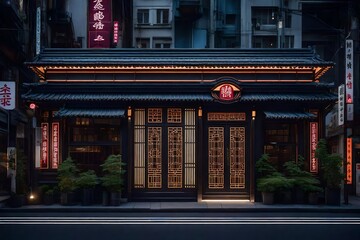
{"type": "Point", "coordinates": [55, 154]}
{"type": "Point", "coordinates": [314, 137]}
{"type": "Point", "coordinates": [349, 160]}
{"type": "Point", "coordinates": [226, 92]}
{"type": "Point", "coordinates": [99, 23]}
{"type": "Point", "coordinates": [44, 145]}
{"type": "Point", "coordinates": [116, 32]}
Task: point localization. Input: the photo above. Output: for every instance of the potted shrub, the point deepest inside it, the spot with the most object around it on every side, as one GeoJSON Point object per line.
{"type": "Point", "coordinates": [332, 177]}
{"type": "Point", "coordinates": [113, 177]}
{"type": "Point", "coordinates": [271, 184]}
{"type": "Point", "coordinates": [270, 181]}
{"type": "Point", "coordinates": [313, 192]}
{"type": "Point", "coordinates": [67, 181]}
{"type": "Point", "coordinates": [87, 182]}
{"type": "Point", "coordinates": [304, 181]}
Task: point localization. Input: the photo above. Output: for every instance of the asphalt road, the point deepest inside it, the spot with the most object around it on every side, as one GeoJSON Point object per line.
{"type": "Point", "coordinates": [289, 226]}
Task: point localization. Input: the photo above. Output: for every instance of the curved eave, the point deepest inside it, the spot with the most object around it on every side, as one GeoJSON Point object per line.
{"type": "Point", "coordinates": [39, 97]}
{"type": "Point", "coordinates": [289, 115]}
{"type": "Point", "coordinates": [40, 70]}
{"type": "Point", "coordinates": [105, 113]}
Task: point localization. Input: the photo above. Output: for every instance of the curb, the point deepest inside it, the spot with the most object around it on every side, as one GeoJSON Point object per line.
{"type": "Point", "coordinates": [275, 209]}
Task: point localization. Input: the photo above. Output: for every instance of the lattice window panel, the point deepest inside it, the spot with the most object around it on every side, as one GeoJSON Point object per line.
{"type": "Point", "coordinates": [139, 148]}
{"type": "Point", "coordinates": [154, 157]}
{"type": "Point", "coordinates": [154, 115]}
{"type": "Point", "coordinates": [174, 115]}
{"type": "Point", "coordinates": [190, 149]}
{"type": "Point", "coordinates": [216, 158]}
{"type": "Point", "coordinates": [226, 116]}
{"type": "Point", "coordinates": [237, 157]}
{"type": "Point", "coordinates": [175, 157]}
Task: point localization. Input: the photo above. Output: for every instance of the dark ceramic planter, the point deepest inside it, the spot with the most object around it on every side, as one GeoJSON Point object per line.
{"type": "Point", "coordinates": [283, 197]}
{"type": "Point", "coordinates": [105, 198]}
{"type": "Point", "coordinates": [299, 196]}
{"type": "Point", "coordinates": [313, 198]}
{"type": "Point", "coordinates": [268, 198]}
{"type": "Point", "coordinates": [67, 198]}
{"type": "Point", "coordinates": [87, 196]}
{"type": "Point", "coordinates": [115, 198]}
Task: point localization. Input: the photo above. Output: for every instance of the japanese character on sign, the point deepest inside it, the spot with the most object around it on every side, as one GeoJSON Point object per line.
{"type": "Point", "coordinates": [99, 20]}
{"type": "Point", "coordinates": [98, 5]}
{"type": "Point", "coordinates": [349, 70]}
{"type": "Point", "coordinates": [55, 153]}
{"type": "Point", "coordinates": [7, 95]}
{"type": "Point", "coordinates": [98, 16]}
{"type": "Point", "coordinates": [98, 25]}
{"type": "Point", "coordinates": [313, 143]}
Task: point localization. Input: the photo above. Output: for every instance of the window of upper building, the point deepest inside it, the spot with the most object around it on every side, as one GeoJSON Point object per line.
{"type": "Point", "coordinates": [289, 42]}
{"type": "Point", "coordinates": [142, 42]}
{"type": "Point", "coordinates": [288, 20]}
{"type": "Point", "coordinates": [264, 16]}
{"type": "Point", "coordinates": [143, 16]}
{"type": "Point", "coordinates": [230, 19]}
{"type": "Point", "coordinates": [162, 16]}
{"type": "Point", "coordinates": [161, 42]}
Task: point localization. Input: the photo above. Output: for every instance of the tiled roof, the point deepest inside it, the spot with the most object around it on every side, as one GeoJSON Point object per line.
{"type": "Point", "coordinates": [183, 57]}
{"type": "Point", "coordinates": [68, 112]}
{"type": "Point", "coordinates": [115, 97]}
{"type": "Point", "coordinates": [289, 115]}
{"type": "Point", "coordinates": [299, 97]}
{"type": "Point", "coordinates": [175, 97]}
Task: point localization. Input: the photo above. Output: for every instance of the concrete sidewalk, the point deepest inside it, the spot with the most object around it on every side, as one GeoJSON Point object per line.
{"type": "Point", "coordinates": [204, 206]}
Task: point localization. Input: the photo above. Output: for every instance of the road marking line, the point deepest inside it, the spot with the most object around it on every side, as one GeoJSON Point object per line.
{"type": "Point", "coordinates": [177, 220]}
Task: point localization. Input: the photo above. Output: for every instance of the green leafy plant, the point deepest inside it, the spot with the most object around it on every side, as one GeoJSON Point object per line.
{"type": "Point", "coordinates": [302, 178]}
{"type": "Point", "coordinates": [270, 179]}
{"type": "Point", "coordinates": [67, 172]}
{"type": "Point", "coordinates": [87, 179]}
{"type": "Point", "coordinates": [330, 166]}
{"type": "Point", "coordinates": [113, 169]}
{"type": "Point", "coordinates": [274, 182]}
{"type": "Point", "coordinates": [264, 167]}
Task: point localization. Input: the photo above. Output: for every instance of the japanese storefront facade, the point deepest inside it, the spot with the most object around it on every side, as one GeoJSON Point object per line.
{"type": "Point", "coordinates": [190, 124]}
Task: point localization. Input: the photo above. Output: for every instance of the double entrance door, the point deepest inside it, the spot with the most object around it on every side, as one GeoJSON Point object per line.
{"type": "Point", "coordinates": [226, 160]}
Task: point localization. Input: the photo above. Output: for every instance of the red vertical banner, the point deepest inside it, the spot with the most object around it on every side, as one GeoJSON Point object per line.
{"type": "Point", "coordinates": [314, 138]}
{"type": "Point", "coordinates": [44, 160]}
{"type": "Point", "coordinates": [116, 32]}
{"type": "Point", "coordinates": [99, 23]}
{"type": "Point", "coordinates": [348, 160]}
{"type": "Point", "coordinates": [55, 142]}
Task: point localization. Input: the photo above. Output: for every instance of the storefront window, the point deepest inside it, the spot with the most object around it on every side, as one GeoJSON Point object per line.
{"type": "Point", "coordinates": [93, 140]}
{"type": "Point", "coordinates": [280, 143]}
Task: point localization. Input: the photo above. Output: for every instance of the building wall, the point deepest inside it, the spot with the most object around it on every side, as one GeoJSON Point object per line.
{"type": "Point", "coordinates": [153, 32]}
{"type": "Point", "coordinates": [219, 24]}
{"type": "Point", "coordinates": [79, 12]}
